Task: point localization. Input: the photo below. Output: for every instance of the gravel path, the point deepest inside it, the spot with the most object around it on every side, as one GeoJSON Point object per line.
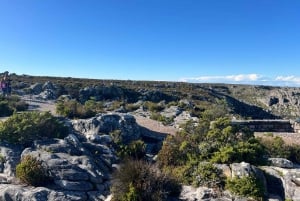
{"type": "Point", "coordinates": [39, 105]}
{"type": "Point", "coordinates": [155, 125]}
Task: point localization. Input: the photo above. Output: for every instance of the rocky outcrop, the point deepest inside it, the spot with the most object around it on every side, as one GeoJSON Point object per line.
{"type": "Point", "coordinates": [78, 170]}
{"type": "Point", "coordinates": [189, 193]}
{"type": "Point", "coordinates": [46, 91]}
{"type": "Point", "coordinates": [79, 166]}
{"type": "Point", "coordinates": [9, 158]}
{"type": "Point", "coordinates": [36, 88]}
{"type": "Point", "coordinates": [171, 112]}
{"type": "Point", "coordinates": [157, 96]}
{"type": "Point", "coordinates": [108, 93]}
{"type": "Point", "coordinates": [97, 128]}
{"type": "Point", "coordinates": [281, 162]}
{"type": "Point", "coordinates": [283, 183]}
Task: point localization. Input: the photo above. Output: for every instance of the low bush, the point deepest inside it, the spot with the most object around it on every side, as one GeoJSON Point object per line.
{"type": "Point", "coordinates": [153, 107]}
{"type": "Point", "coordinates": [249, 187]}
{"type": "Point", "coordinates": [135, 149]}
{"type": "Point", "coordinates": [11, 104]}
{"type": "Point", "coordinates": [130, 107]}
{"type": "Point", "coordinates": [5, 109]}
{"type": "Point", "coordinates": [276, 147]}
{"type": "Point", "coordinates": [158, 117]}
{"type": "Point", "coordinates": [30, 171]}
{"type": "Point", "coordinates": [206, 174]}
{"type": "Point", "coordinates": [24, 128]}
{"type": "Point", "coordinates": [140, 181]}
{"type": "Point", "coordinates": [74, 109]}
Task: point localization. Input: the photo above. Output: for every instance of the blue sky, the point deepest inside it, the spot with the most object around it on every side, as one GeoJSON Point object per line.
{"type": "Point", "coordinates": [232, 41]}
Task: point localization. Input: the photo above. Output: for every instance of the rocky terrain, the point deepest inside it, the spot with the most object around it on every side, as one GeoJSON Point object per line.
{"type": "Point", "coordinates": [242, 101]}
{"type": "Point", "coordinates": [81, 165]}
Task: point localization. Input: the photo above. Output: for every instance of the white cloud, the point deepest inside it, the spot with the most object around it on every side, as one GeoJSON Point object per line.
{"type": "Point", "coordinates": [255, 79]}
{"type": "Point", "coordinates": [288, 80]}
{"type": "Point", "coordinates": [226, 78]}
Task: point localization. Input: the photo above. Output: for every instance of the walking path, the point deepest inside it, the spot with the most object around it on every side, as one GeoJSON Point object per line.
{"type": "Point", "coordinates": [40, 105]}
{"type": "Point", "coordinates": [155, 125]}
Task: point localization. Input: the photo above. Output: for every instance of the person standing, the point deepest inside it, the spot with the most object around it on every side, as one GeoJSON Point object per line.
{"type": "Point", "coordinates": [5, 84]}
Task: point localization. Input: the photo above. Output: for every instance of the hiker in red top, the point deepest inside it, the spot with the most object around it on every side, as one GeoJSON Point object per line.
{"type": "Point", "coordinates": [5, 84]}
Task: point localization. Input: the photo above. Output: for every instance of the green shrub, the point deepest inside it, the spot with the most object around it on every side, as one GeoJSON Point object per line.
{"type": "Point", "coordinates": [2, 158]}
{"type": "Point", "coordinates": [246, 186]}
{"type": "Point", "coordinates": [141, 181]}
{"type": "Point", "coordinates": [206, 174]}
{"type": "Point", "coordinates": [248, 151]}
{"type": "Point", "coordinates": [73, 109]}
{"type": "Point", "coordinates": [130, 107]}
{"type": "Point", "coordinates": [24, 128]}
{"type": "Point", "coordinates": [131, 195]}
{"type": "Point", "coordinates": [158, 117]}
{"type": "Point", "coordinates": [5, 110]}
{"type": "Point", "coordinates": [154, 107]}
{"type": "Point", "coordinates": [135, 149]}
{"type": "Point", "coordinates": [10, 104]}
{"type": "Point", "coordinates": [30, 171]}
{"type": "Point", "coordinates": [170, 155]}
{"type": "Point", "coordinates": [276, 147]}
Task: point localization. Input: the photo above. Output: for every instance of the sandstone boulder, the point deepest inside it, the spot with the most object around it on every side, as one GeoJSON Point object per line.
{"type": "Point", "coordinates": [281, 162]}
{"type": "Point", "coordinates": [106, 123]}
{"type": "Point", "coordinates": [48, 85]}
{"type": "Point", "coordinates": [36, 88]}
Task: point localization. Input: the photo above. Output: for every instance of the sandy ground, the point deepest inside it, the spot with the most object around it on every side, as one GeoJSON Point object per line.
{"type": "Point", "coordinates": [155, 125]}
{"type": "Point", "coordinates": [36, 105]}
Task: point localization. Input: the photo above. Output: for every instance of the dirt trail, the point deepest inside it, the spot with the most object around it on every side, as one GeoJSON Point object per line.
{"type": "Point", "coordinates": [142, 121]}
{"type": "Point", "coordinates": [155, 125]}
{"type": "Point", "coordinates": [38, 105]}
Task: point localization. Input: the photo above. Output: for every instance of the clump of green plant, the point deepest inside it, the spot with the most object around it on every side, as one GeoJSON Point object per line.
{"type": "Point", "coordinates": [5, 110]}
{"type": "Point", "coordinates": [116, 105]}
{"type": "Point", "coordinates": [2, 158]}
{"type": "Point", "coordinates": [206, 174]}
{"type": "Point", "coordinates": [276, 147]}
{"type": "Point", "coordinates": [74, 109]}
{"type": "Point", "coordinates": [30, 171]}
{"type": "Point", "coordinates": [269, 134]}
{"type": "Point", "coordinates": [131, 107]}
{"type": "Point", "coordinates": [141, 181]}
{"type": "Point", "coordinates": [154, 107]}
{"type": "Point", "coordinates": [24, 128]}
{"type": "Point", "coordinates": [135, 149]}
{"type": "Point", "coordinates": [158, 117]}
{"type": "Point", "coordinates": [216, 142]}
{"type": "Point", "coordinates": [8, 105]}
{"type": "Point", "coordinates": [247, 186]}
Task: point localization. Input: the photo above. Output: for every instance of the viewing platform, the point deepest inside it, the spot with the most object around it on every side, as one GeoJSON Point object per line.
{"type": "Point", "coordinates": [267, 125]}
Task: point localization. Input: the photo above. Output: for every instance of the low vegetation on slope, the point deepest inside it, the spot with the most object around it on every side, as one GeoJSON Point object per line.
{"type": "Point", "coordinates": [219, 142]}
{"type": "Point", "coordinates": [24, 128]}
{"type": "Point", "coordinates": [11, 104]}
{"type": "Point", "coordinates": [242, 101]}
{"type": "Point", "coordinates": [30, 171]}
{"type": "Point", "coordinates": [141, 181]}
